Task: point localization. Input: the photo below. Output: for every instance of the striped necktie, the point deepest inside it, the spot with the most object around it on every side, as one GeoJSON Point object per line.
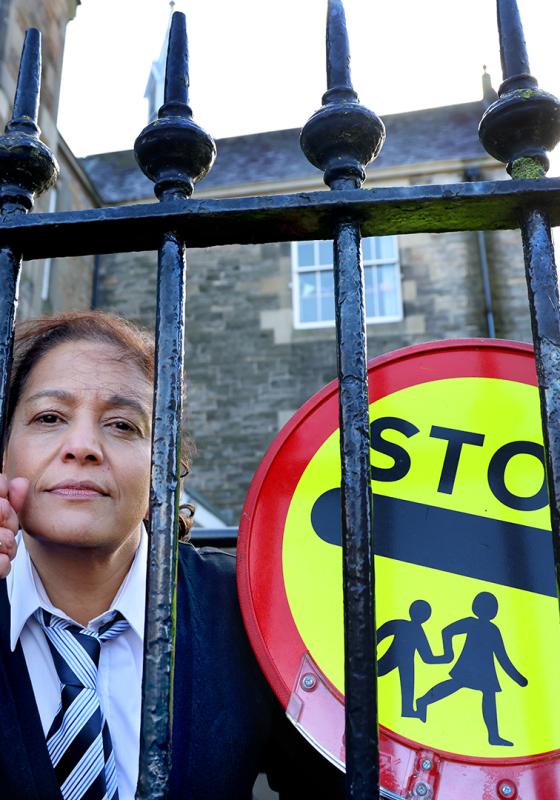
{"type": "Point", "coordinates": [78, 740]}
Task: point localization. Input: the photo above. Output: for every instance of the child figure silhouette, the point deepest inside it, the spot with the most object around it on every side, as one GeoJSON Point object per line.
{"type": "Point", "coordinates": [475, 668]}
{"type": "Point", "coordinates": [408, 639]}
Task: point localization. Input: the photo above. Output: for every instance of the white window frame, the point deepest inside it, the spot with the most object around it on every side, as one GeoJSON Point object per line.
{"type": "Point", "coordinates": [317, 267]}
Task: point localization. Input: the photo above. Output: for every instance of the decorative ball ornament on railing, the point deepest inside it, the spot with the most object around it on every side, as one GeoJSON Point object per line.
{"type": "Point", "coordinates": [173, 151]}
{"type": "Point", "coordinates": [523, 124]}
{"type": "Point", "coordinates": [342, 136]}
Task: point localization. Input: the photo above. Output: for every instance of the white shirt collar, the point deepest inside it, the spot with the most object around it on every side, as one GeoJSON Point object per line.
{"type": "Point", "coordinates": [26, 592]}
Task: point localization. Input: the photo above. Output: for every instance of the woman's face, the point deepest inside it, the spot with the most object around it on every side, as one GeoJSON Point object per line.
{"type": "Point", "coordinates": [81, 436]}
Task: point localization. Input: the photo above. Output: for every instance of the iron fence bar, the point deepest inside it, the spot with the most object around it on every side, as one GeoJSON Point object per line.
{"type": "Point", "coordinates": [340, 139]}
{"type": "Point", "coordinates": [159, 640]}
{"type": "Point", "coordinates": [362, 739]}
{"type": "Point", "coordinates": [519, 129]}
{"type": "Point", "coordinates": [487, 205]}
{"type": "Point", "coordinates": [10, 270]}
{"type": "Point", "coordinates": [27, 168]}
{"type": "Point", "coordinates": [174, 153]}
{"type": "Point", "coordinates": [544, 303]}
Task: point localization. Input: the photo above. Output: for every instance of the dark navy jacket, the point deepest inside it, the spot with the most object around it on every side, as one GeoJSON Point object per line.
{"type": "Point", "coordinates": [227, 726]}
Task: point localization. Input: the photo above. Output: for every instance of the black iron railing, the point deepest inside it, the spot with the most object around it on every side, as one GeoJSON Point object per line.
{"type": "Point", "coordinates": [518, 129]}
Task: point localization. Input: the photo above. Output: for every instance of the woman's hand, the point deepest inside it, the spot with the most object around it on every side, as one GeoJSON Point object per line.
{"type": "Point", "coordinates": [12, 498]}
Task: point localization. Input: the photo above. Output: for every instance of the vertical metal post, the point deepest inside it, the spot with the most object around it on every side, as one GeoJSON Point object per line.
{"type": "Point", "coordinates": [175, 153]}
{"type": "Point", "coordinates": [519, 129]}
{"type": "Point", "coordinates": [362, 742]}
{"type": "Point", "coordinates": [10, 270]}
{"type": "Point", "coordinates": [544, 303]}
{"type": "Point", "coordinates": [27, 168]}
{"type": "Point", "coordinates": [157, 686]}
{"type": "Point", "coordinates": [341, 138]}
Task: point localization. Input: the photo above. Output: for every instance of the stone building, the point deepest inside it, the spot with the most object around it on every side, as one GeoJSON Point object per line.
{"type": "Point", "coordinates": [260, 318]}
{"type": "Point", "coordinates": [45, 286]}
{"type": "Point", "coordinates": [260, 329]}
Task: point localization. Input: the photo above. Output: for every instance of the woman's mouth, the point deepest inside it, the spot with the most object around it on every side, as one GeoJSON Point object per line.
{"type": "Point", "coordinates": [79, 490]}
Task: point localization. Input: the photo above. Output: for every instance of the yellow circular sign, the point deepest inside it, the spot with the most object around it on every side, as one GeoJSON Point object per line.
{"type": "Point", "coordinates": [467, 613]}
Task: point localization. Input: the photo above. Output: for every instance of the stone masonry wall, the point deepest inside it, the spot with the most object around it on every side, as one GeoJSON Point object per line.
{"type": "Point", "coordinates": [248, 369]}
{"type": "Point", "coordinates": [51, 18]}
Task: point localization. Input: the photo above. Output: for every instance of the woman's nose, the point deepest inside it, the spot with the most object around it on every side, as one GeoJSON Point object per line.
{"type": "Point", "coordinates": [82, 444]}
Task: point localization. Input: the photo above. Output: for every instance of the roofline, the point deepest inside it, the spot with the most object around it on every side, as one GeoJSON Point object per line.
{"type": "Point", "coordinates": [382, 116]}
{"type": "Point", "coordinates": [296, 130]}
{"type": "Point", "coordinates": [315, 182]}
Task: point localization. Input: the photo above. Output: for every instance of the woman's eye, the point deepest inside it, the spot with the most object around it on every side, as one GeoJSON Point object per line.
{"type": "Point", "coordinates": [123, 425]}
{"type": "Point", "coordinates": [49, 418]}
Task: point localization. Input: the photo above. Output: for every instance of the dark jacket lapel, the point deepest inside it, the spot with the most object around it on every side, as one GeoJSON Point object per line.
{"type": "Point", "coordinates": [25, 768]}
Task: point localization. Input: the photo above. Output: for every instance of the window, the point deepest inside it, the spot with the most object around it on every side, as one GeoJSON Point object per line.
{"type": "Point", "coordinates": [313, 284]}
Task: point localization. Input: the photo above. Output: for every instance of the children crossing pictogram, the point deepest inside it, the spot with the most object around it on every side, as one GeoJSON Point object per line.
{"type": "Point", "coordinates": [475, 667]}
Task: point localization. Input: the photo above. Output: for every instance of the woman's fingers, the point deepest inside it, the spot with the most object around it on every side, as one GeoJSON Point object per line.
{"type": "Point", "coordinates": [8, 545]}
{"type": "Point", "coordinates": [5, 565]}
{"type": "Point", "coordinates": [17, 492]}
{"type": "Point", "coordinates": [8, 548]}
{"type": "Point", "coordinates": [12, 498]}
{"type": "Point", "coordinates": [9, 525]}
{"type": "Point", "coordinates": [8, 517]}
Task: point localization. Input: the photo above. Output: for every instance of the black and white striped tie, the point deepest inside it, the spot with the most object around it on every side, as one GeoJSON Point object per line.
{"type": "Point", "coordinates": [78, 740]}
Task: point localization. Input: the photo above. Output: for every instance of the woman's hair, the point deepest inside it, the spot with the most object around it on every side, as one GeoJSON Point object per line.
{"type": "Point", "coordinates": [35, 338]}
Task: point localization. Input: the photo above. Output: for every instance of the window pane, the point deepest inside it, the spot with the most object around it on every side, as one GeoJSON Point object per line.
{"type": "Point", "coordinates": [306, 254]}
{"type": "Point", "coordinates": [368, 278]}
{"type": "Point", "coordinates": [308, 297]}
{"type": "Point", "coordinates": [325, 253]}
{"type": "Point", "coordinates": [371, 292]}
{"type": "Point", "coordinates": [326, 279]}
{"type": "Point", "coordinates": [315, 282]}
{"type": "Point", "coordinates": [385, 247]}
{"type": "Point", "coordinates": [388, 305]}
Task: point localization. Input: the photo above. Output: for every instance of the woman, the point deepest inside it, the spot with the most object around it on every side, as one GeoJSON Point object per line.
{"type": "Point", "coordinates": [76, 483]}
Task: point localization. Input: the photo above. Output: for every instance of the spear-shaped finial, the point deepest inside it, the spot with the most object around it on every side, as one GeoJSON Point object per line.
{"type": "Point", "coordinates": [343, 136]}
{"type": "Point", "coordinates": [513, 50]}
{"type": "Point", "coordinates": [27, 166]}
{"type": "Point", "coordinates": [338, 49]}
{"type": "Point", "coordinates": [176, 91]}
{"type": "Point", "coordinates": [173, 151]}
{"type": "Point", "coordinates": [26, 102]}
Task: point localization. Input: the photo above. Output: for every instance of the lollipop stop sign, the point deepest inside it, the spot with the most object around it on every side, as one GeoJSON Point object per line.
{"type": "Point", "coordinates": [467, 615]}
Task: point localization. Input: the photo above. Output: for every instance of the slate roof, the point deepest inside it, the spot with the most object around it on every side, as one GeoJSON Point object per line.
{"type": "Point", "coordinates": [435, 134]}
